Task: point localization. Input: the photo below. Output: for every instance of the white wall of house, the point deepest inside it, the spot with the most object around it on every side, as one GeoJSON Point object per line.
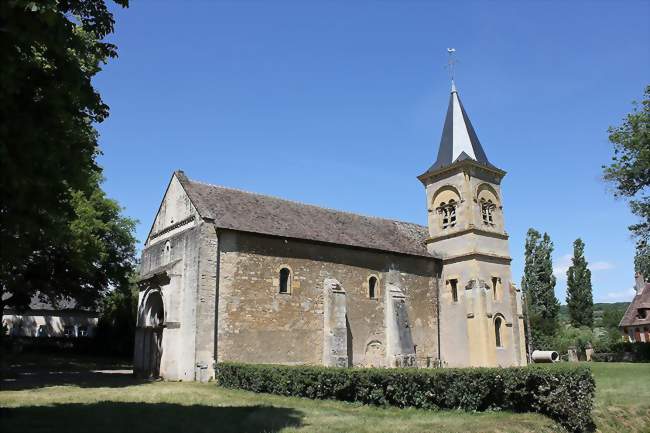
{"type": "Point", "coordinates": [34, 323]}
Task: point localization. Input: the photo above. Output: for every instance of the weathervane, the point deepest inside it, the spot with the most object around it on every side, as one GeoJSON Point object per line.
{"type": "Point", "coordinates": [451, 63]}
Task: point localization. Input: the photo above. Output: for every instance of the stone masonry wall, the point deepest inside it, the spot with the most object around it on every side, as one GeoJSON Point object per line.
{"type": "Point", "coordinates": [179, 253]}
{"type": "Point", "coordinates": [258, 324]}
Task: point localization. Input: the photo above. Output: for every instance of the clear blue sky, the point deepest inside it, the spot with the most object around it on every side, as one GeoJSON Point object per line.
{"type": "Point", "coordinates": [342, 105]}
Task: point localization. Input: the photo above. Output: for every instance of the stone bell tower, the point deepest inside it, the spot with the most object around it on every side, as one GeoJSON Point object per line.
{"type": "Point", "coordinates": [481, 320]}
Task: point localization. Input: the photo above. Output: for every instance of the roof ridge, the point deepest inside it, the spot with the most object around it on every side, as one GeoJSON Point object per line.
{"type": "Point", "coordinates": [304, 204]}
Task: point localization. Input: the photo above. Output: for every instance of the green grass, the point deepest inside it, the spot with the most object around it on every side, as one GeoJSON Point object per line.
{"type": "Point", "coordinates": [622, 397]}
{"type": "Point", "coordinates": [101, 403]}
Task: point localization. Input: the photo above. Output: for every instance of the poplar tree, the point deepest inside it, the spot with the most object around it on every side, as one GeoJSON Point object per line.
{"type": "Point", "coordinates": [579, 296]}
{"type": "Point", "coordinates": [538, 284]}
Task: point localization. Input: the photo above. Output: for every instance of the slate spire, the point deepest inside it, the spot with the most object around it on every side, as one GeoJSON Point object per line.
{"type": "Point", "coordinates": [459, 140]}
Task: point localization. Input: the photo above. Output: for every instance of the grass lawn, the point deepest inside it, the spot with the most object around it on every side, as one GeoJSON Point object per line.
{"type": "Point", "coordinates": [622, 397]}
{"type": "Point", "coordinates": [102, 402]}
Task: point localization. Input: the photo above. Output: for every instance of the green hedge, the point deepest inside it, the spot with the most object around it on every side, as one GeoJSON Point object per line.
{"type": "Point", "coordinates": [622, 351]}
{"type": "Point", "coordinates": [564, 393]}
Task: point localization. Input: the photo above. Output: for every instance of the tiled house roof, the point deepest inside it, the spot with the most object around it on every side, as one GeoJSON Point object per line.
{"type": "Point", "coordinates": [641, 302]}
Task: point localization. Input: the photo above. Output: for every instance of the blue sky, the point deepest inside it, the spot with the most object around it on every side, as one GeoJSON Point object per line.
{"type": "Point", "coordinates": [341, 104]}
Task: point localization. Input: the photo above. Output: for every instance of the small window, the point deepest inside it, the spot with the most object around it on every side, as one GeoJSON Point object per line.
{"type": "Point", "coordinates": [42, 331]}
{"type": "Point", "coordinates": [497, 331]}
{"type": "Point", "coordinates": [453, 284]}
{"type": "Point", "coordinates": [372, 287]}
{"type": "Point", "coordinates": [642, 313]}
{"type": "Point", "coordinates": [285, 280]}
{"type": "Point", "coordinates": [487, 209]}
{"type": "Point", "coordinates": [495, 287]}
{"type": "Point", "coordinates": [83, 331]}
{"type": "Point", "coordinates": [68, 331]}
{"type": "Point", "coordinates": [447, 213]}
{"type": "Point", "coordinates": [167, 252]}
{"type": "Point", "coordinates": [452, 213]}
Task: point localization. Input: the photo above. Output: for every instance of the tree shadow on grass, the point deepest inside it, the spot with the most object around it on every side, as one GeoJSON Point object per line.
{"type": "Point", "coordinates": [147, 417]}
{"type": "Point", "coordinates": [18, 381]}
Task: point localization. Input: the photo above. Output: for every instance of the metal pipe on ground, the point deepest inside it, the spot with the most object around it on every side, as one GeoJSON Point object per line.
{"type": "Point", "coordinates": [543, 356]}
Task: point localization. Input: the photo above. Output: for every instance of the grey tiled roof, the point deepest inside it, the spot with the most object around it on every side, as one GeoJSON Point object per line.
{"type": "Point", "coordinates": [447, 144]}
{"type": "Point", "coordinates": [42, 302]}
{"type": "Point", "coordinates": [249, 212]}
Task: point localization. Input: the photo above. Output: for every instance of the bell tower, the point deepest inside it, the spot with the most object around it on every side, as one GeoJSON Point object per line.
{"type": "Point", "coordinates": [480, 310]}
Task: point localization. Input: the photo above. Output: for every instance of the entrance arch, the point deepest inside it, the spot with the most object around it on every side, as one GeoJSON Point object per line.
{"type": "Point", "coordinates": [152, 320]}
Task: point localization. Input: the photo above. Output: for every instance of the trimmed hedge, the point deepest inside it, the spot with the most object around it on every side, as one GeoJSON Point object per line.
{"type": "Point", "coordinates": [623, 352]}
{"type": "Point", "coordinates": [564, 393]}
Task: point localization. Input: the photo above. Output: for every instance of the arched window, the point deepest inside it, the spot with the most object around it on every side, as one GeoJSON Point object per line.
{"type": "Point", "coordinates": [285, 280]}
{"type": "Point", "coordinates": [497, 331]}
{"type": "Point", "coordinates": [372, 287]}
{"type": "Point", "coordinates": [487, 209]}
{"type": "Point", "coordinates": [448, 213]}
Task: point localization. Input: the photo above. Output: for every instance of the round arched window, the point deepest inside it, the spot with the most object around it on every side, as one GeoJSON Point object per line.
{"type": "Point", "coordinates": [372, 287]}
{"type": "Point", "coordinates": [497, 331]}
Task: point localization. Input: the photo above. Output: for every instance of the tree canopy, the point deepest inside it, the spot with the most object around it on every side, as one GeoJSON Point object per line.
{"type": "Point", "coordinates": [629, 172]}
{"type": "Point", "coordinates": [59, 233]}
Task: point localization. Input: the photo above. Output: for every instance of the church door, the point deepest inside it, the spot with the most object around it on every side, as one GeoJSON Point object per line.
{"type": "Point", "coordinates": [153, 329]}
{"type": "Point", "coordinates": [156, 350]}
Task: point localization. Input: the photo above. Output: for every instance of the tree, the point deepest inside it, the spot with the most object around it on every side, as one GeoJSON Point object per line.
{"type": "Point", "coordinates": [630, 174]}
{"type": "Point", "coordinates": [95, 253]}
{"type": "Point", "coordinates": [53, 215]}
{"type": "Point", "coordinates": [538, 284]}
{"type": "Point", "coordinates": [116, 327]}
{"type": "Point", "coordinates": [579, 299]}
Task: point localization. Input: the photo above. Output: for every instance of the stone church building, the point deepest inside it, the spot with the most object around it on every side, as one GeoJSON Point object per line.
{"type": "Point", "coordinates": [228, 275]}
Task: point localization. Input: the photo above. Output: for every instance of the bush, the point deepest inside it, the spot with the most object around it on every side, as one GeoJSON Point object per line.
{"type": "Point", "coordinates": [622, 351]}
{"type": "Point", "coordinates": [564, 393]}
{"type": "Point", "coordinates": [579, 338]}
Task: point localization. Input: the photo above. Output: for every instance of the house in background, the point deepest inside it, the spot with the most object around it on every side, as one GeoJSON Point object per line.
{"type": "Point", "coordinates": [635, 324]}
{"type": "Point", "coordinates": [46, 319]}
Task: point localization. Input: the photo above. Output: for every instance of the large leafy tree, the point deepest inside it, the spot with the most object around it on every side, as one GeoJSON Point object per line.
{"type": "Point", "coordinates": [59, 234]}
{"type": "Point", "coordinates": [538, 285]}
{"type": "Point", "coordinates": [95, 253]}
{"type": "Point", "coordinates": [580, 300]}
{"type": "Point", "coordinates": [629, 172]}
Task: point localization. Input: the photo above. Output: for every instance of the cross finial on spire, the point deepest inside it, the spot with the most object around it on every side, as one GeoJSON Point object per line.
{"type": "Point", "coordinates": [451, 65]}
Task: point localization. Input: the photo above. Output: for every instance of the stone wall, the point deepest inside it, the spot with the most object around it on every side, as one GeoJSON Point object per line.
{"type": "Point", "coordinates": [258, 324]}
{"type": "Point", "coordinates": [178, 258]}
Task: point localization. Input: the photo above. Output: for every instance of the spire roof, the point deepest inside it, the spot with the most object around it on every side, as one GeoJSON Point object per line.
{"type": "Point", "coordinates": [459, 141]}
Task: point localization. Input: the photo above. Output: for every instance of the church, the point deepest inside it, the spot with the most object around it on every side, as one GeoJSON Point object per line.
{"type": "Point", "coordinates": [229, 275]}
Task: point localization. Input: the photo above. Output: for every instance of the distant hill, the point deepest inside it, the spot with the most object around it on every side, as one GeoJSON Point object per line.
{"type": "Point", "coordinates": [614, 310]}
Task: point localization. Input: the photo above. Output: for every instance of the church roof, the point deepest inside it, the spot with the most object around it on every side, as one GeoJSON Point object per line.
{"type": "Point", "coordinates": [459, 140]}
{"type": "Point", "coordinates": [249, 212]}
{"type": "Point", "coordinates": [40, 301]}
